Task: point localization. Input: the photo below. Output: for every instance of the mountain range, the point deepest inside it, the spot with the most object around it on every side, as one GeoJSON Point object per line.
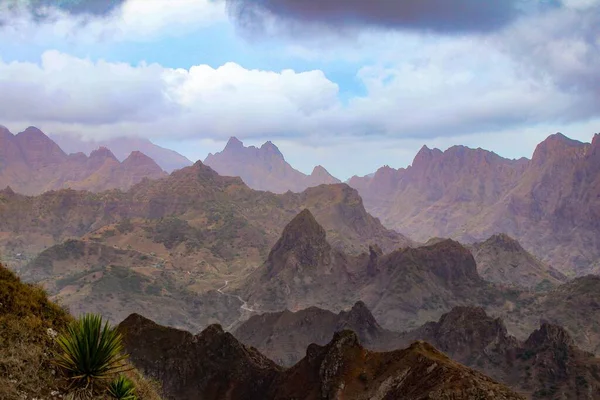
{"type": "Point", "coordinates": [193, 243]}
{"type": "Point", "coordinates": [549, 203]}
{"type": "Point", "coordinates": [510, 249]}
{"type": "Point", "coordinates": [264, 168]}
{"type": "Point", "coordinates": [169, 160]}
{"type": "Point", "coordinates": [175, 237]}
{"type": "Point", "coordinates": [31, 163]}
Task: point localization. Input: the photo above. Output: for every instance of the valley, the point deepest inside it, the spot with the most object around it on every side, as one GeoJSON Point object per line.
{"type": "Point", "coordinates": [193, 249]}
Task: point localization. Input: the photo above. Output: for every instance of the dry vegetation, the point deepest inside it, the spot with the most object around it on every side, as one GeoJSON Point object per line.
{"type": "Point", "coordinates": [28, 324]}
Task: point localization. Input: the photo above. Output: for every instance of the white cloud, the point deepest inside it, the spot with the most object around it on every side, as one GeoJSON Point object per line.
{"type": "Point", "coordinates": [535, 77]}
{"type": "Point", "coordinates": [65, 93]}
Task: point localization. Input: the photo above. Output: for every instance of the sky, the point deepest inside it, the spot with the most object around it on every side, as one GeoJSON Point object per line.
{"type": "Point", "coordinates": [348, 84]}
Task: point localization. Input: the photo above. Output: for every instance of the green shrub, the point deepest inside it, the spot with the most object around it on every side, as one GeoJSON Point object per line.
{"type": "Point", "coordinates": [91, 352]}
{"type": "Point", "coordinates": [122, 388]}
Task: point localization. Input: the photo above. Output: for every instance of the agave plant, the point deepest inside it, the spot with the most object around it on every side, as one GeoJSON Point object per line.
{"type": "Point", "coordinates": [122, 388]}
{"type": "Point", "coordinates": [90, 351]}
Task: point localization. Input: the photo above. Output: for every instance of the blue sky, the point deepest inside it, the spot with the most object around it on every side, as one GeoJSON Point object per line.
{"type": "Point", "coordinates": [350, 89]}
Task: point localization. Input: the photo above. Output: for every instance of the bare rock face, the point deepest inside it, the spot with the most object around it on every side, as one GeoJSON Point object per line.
{"type": "Point", "coordinates": [302, 268]}
{"type": "Point", "coordinates": [210, 365]}
{"type": "Point", "coordinates": [214, 365]}
{"type": "Point", "coordinates": [303, 245]}
{"type": "Point", "coordinates": [546, 365]}
{"type": "Point", "coordinates": [265, 168]}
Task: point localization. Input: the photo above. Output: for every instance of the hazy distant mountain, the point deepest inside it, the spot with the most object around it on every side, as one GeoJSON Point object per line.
{"type": "Point", "coordinates": [264, 168]}
{"type": "Point", "coordinates": [550, 204]}
{"type": "Point", "coordinates": [179, 238]}
{"type": "Point", "coordinates": [31, 163]}
{"type": "Point", "coordinates": [121, 147]}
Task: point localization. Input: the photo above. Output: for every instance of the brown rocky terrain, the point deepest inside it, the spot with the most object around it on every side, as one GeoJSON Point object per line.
{"type": "Point", "coordinates": [501, 259]}
{"type": "Point", "coordinates": [572, 305]}
{"type": "Point", "coordinates": [404, 288]}
{"type": "Point", "coordinates": [284, 336]}
{"type": "Point", "coordinates": [548, 203]}
{"type": "Point", "coordinates": [214, 365]}
{"type": "Point", "coordinates": [188, 234]}
{"type": "Point", "coordinates": [122, 147]}
{"type": "Point", "coordinates": [547, 365]}
{"type": "Point", "coordinates": [31, 163]}
{"type": "Point", "coordinates": [264, 168]}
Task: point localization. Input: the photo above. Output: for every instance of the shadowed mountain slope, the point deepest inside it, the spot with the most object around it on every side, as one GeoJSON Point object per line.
{"type": "Point", "coordinates": [214, 365]}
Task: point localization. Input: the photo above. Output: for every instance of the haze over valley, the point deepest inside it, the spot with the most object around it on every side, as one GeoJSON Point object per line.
{"type": "Point", "coordinates": [285, 200]}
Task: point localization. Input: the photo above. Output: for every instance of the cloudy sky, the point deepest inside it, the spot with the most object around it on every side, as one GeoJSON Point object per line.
{"type": "Point", "coordinates": [348, 84]}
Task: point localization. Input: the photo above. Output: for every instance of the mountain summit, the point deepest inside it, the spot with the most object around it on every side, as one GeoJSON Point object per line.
{"type": "Point", "coordinates": [264, 168]}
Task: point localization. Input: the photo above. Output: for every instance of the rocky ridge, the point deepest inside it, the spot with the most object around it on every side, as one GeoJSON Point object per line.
{"type": "Point", "coordinates": [214, 365]}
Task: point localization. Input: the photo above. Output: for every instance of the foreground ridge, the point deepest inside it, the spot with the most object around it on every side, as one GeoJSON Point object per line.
{"type": "Point", "coordinates": [215, 365]}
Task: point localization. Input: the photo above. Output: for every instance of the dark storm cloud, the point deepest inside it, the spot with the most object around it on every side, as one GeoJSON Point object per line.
{"type": "Point", "coordinates": [77, 7]}
{"type": "Point", "coordinates": [445, 16]}
{"type": "Point", "coordinates": [39, 9]}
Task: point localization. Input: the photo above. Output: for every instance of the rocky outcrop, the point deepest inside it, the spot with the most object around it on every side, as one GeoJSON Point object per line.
{"type": "Point", "coordinates": [210, 365]}
{"type": "Point", "coordinates": [302, 269]}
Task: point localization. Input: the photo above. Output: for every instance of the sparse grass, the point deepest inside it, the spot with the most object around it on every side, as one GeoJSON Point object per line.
{"type": "Point", "coordinates": [25, 317]}
{"type": "Point", "coordinates": [29, 323]}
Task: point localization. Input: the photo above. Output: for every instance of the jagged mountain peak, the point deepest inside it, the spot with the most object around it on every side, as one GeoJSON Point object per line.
{"type": "Point", "coordinates": [139, 159]}
{"type": "Point", "coordinates": [234, 143]}
{"type": "Point", "coordinates": [549, 335]}
{"type": "Point", "coordinates": [264, 168]}
{"type": "Point", "coordinates": [303, 227]}
{"type": "Point", "coordinates": [102, 153]}
{"type": "Point", "coordinates": [32, 131]}
{"type": "Point", "coordinates": [360, 317]}
{"type": "Point", "coordinates": [302, 244]}
{"type": "Point", "coordinates": [504, 241]}
{"type": "Point", "coordinates": [558, 146]}
{"type": "Point", "coordinates": [424, 156]}
{"type": "Point", "coordinates": [270, 149]}
{"type": "Point", "coordinates": [7, 191]}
